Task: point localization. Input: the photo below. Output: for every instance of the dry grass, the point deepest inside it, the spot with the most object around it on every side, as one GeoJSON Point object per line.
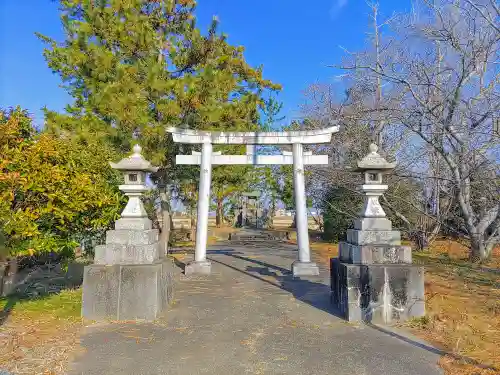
{"type": "Point", "coordinates": [215, 235]}
{"type": "Point", "coordinates": [40, 336]}
{"type": "Point", "coordinates": [463, 307]}
{"type": "Point", "coordinates": [223, 232]}
{"type": "Point", "coordinates": [323, 250]}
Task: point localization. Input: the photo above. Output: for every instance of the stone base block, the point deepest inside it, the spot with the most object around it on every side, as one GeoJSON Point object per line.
{"type": "Point", "coordinates": [378, 254]}
{"type": "Point", "coordinates": [127, 292]}
{"type": "Point", "coordinates": [373, 223]}
{"type": "Point", "coordinates": [346, 289]}
{"type": "Point", "coordinates": [74, 274]}
{"type": "Point", "coordinates": [132, 237]}
{"type": "Point", "coordinates": [396, 293]}
{"type": "Point", "coordinates": [377, 293]}
{"type": "Point", "coordinates": [113, 253]}
{"type": "Point", "coordinates": [304, 269]}
{"type": "Point", "coordinates": [134, 223]}
{"type": "Point", "coordinates": [198, 268]}
{"type": "Point", "coordinates": [373, 237]}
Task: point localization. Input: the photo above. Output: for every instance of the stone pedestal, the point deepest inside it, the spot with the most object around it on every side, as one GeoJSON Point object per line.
{"type": "Point", "coordinates": [304, 269]}
{"type": "Point", "coordinates": [373, 279]}
{"type": "Point", "coordinates": [378, 293]}
{"type": "Point", "coordinates": [128, 291]}
{"type": "Point", "coordinates": [203, 267]}
{"type": "Point", "coordinates": [376, 282]}
{"type": "Point", "coordinates": [130, 278]}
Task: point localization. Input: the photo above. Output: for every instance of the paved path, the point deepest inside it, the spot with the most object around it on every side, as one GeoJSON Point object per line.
{"type": "Point", "coordinates": [250, 317]}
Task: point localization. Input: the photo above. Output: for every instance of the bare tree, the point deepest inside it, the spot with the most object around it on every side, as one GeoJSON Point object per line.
{"type": "Point", "coordinates": [362, 114]}
{"type": "Point", "coordinates": [443, 76]}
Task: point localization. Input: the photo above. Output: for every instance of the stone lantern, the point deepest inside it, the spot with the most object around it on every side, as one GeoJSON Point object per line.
{"type": "Point", "coordinates": [131, 278]}
{"type": "Point", "coordinates": [134, 169]}
{"type": "Point", "coordinates": [372, 167]}
{"type": "Point", "coordinates": [373, 279]}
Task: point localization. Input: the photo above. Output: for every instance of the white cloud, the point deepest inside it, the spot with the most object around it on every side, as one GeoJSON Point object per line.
{"type": "Point", "coordinates": [336, 7]}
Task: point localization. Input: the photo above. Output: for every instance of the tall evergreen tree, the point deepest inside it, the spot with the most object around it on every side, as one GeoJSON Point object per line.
{"type": "Point", "coordinates": [134, 67]}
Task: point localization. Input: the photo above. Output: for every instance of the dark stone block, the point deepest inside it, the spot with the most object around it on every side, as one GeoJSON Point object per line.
{"type": "Point", "coordinates": [74, 274]}
{"type": "Point", "coordinates": [377, 293]}
{"type": "Point", "coordinates": [347, 287]}
{"type": "Point", "coordinates": [127, 292]}
{"type": "Point", "coordinates": [395, 293]}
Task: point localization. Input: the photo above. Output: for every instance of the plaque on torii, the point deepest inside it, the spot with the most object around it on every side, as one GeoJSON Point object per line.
{"type": "Point", "coordinates": [297, 157]}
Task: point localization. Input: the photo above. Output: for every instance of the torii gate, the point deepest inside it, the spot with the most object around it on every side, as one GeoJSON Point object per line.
{"type": "Point", "coordinates": [303, 266]}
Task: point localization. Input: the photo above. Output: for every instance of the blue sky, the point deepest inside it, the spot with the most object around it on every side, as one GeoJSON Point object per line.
{"type": "Point", "coordinates": [294, 40]}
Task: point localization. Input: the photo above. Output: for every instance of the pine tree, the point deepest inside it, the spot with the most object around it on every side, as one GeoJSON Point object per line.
{"type": "Point", "coordinates": [135, 67]}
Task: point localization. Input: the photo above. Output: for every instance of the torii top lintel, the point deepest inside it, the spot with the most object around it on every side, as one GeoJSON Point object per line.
{"type": "Point", "coordinates": [253, 138]}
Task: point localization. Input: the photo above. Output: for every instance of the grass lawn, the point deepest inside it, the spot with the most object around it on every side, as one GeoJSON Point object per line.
{"type": "Point", "coordinates": [40, 336]}
{"type": "Point", "coordinates": [463, 307]}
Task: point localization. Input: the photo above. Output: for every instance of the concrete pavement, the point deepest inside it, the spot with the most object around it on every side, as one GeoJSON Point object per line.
{"type": "Point", "coordinates": [251, 317]}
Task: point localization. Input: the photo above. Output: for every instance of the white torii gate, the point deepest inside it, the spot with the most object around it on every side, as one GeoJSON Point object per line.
{"type": "Point", "coordinates": [303, 266]}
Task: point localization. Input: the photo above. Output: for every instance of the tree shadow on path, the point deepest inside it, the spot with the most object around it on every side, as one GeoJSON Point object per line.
{"type": "Point", "coordinates": [313, 293]}
{"type": "Point", "coordinates": [317, 294]}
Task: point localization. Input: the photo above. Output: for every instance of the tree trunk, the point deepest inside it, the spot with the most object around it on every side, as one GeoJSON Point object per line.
{"type": "Point", "coordinates": [165, 230]}
{"type": "Point", "coordinates": [489, 248]}
{"type": "Point", "coordinates": [193, 225]}
{"type": "Point", "coordinates": [8, 278]}
{"type": "Point", "coordinates": [166, 222]}
{"type": "Point", "coordinates": [219, 214]}
{"type": "Point", "coordinates": [480, 250]}
{"type": "Point", "coordinates": [272, 212]}
{"type": "Point", "coordinates": [477, 248]}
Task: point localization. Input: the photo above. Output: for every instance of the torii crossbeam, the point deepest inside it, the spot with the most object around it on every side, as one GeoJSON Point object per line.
{"type": "Point", "coordinates": [207, 158]}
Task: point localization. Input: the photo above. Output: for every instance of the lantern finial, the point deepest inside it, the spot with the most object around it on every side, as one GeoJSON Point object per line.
{"type": "Point", "coordinates": [137, 150]}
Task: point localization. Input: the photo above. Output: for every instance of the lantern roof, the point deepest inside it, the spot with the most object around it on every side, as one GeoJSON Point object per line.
{"type": "Point", "coordinates": [134, 162]}
{"type": "Point", "coordinates": [374, 161]}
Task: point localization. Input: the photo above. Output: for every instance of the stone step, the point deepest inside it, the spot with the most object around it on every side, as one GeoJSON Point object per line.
{"type": "Point", "coordinates": [113, 253]}
{"type": "Point", "coordinates": [257, 236]}
{"type": "Point", "coordinates": [132, 237]}
{"type": "Point", "coordinates": [374, 254]}
{"type": "Point", "coordinates": [373, 237]}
